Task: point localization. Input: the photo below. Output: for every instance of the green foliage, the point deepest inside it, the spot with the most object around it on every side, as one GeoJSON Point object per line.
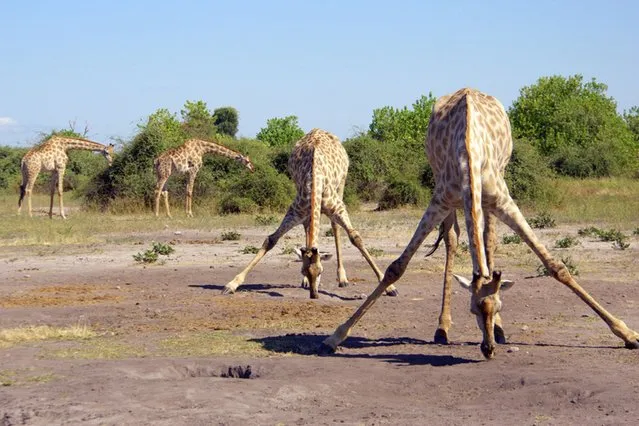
{"type": "Point", "coordinates": [226, 120]}
{"type": "Point", "coordinates": [400, 193]}
{"type": "Point", "coordinates": [329, 233]}
{"type": "Point", "coordinates": [10, 158]}
{"type": "Point", "coordinates": [375, 252]}
{"type": "Point", "coordinates": [542, 220]}
{"type": "Point", "coordinates": [566, 242]}
{"type": "Point", "coordinates": [249, 250]}
{"type": "Point", "coordinates": [635, 231]}
{"type": "Point", "coordinates": [631, 118]}
{"type": "Point", "coordinates": [280, 131]}
{"type": "Point", "coordinates": [617, 237]}
{"type": "Point", "coordinates": [406, 125]}
{"type": "Point", "coordinates": [511, 239]}
{"type": "Point", "coordinates": [152, 255]}
{"type": "Point", "coordinates": [528, 176]}
{"type": "Point", "coordinates": [576, 126]}
{"type": "Point", "coordinates": [230, 236]}
{"type": "Point", "coordinates": [197, 120]}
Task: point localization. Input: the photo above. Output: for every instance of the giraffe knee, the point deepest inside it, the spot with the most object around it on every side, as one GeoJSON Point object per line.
{"type": "Point", "coordinates": [559, 271]}
{"type": "Point", "coordinates": [355, 238]}
{"type": "Point", "coordinates": [269, 243]}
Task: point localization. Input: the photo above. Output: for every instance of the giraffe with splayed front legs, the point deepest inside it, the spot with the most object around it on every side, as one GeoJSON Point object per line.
{"type": "Point", "coordinates": [468, 145]}
{"type": "Point", "coordinates": [318, 166]}
{"type": "Point", "coordinates": [187, 158]}
{"type": "Point", "coordinates": [51, 156]}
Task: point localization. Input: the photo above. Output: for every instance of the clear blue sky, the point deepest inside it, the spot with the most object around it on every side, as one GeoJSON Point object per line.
{"type": "Point", "coordinates": [111, 63]}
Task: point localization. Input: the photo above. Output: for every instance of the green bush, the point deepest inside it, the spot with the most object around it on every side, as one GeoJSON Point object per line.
{"type": "Point", "coordinates": [528, 176]}
{"type": "Point", "coordinates": [400, 193]}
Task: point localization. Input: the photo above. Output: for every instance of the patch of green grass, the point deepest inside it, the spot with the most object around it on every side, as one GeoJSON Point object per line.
{"type": "Point", "coordinates": [635, 231]}
{"type": "Point", "coordinates": [152, 255]}
{"type": "Point", "coordinates": [249, 250]}
{"type": "Point", "coordinates": [511, 239]}
{"type": "Point", "coordinates": [14, 336]}
{"type": "Point", "coordinates": [617, 237]}
{"type": "Point", "coordinates": [542, 220]}
{"type": "Point", "coordinates": [329, 233]}
{"type": "Point", "coordinates": [566, 242]}
{"type": "Point", "coordinates": [209, 343]}
{"type": "Point", "coordinates": [230, 236]}
{"type": "Point", "coordinates": [589, 231]}
{"type": "Point", "coordinates": [23, 377]}
{"type": "Point", "coordinates": [287, 250]}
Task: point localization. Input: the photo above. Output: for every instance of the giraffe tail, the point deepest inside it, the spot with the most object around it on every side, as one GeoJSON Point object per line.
{"type": "Point", "coordinates": [472, 193]}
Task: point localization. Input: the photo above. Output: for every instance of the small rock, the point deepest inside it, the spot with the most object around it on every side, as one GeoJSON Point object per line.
{"type": "Point", "coordinates": [513, 349]}
{"type": "Point", "coordinates": [524, 328]}
{"type": "Point", "coordinates": [585, 315]}
{"type": "Point", "coordinates": [362, 296]}
{"type": "Point", "coordinates": [177, 233]}
{"type": "Point", "coordinates": [27, 276]}
{"type": "Point", "coordinates": [118, 287]}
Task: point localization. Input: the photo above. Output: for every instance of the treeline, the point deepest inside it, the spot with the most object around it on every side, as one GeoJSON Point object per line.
{"type": "Point", "coordinates": [562, 126]}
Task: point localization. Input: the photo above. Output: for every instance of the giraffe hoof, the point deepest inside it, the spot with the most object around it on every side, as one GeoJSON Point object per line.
{"type": "Point", "coordinates": [343, 284]}
{"type": "Point", "coordinates": [632, 345]}
{"type": "Point", "coordinates": [392, 293]}
{"type": "Point", "coordinates": [324, 350]}
{"type": "Point", "coordinates": [500, 337]}
{"type": "Point", "coordinates": [228, 290]}
{"type": "Point", "coordinates": [441, 337]}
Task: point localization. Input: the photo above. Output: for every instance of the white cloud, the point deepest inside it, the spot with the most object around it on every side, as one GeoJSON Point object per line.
{"type": "Point", "coordinates": [7, 121]}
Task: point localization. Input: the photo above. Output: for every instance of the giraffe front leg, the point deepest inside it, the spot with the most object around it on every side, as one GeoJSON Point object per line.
{"type": "Point", "coordinates": [341, 272]}
{"type": "Point", "coordinates": [290, 220]}
{"type": "Point", "coordinates": [490, 239]}
{"type": "Point", "coordinates": [53, 185]}
{"type": "Point", "coordinates": [60, 192]}
{"type": "Point", "coordinates": [451, 234]}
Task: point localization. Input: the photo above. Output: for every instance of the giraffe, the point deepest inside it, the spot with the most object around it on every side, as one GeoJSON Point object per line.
{"type": "Point", "coordinates": [318, 166]}
{"type": "Point", "coordinates": [51, 156]}
{"type": "Point", "coordinates": [468, 145]}
{"type": "Point", "coordinates": [187, 158]}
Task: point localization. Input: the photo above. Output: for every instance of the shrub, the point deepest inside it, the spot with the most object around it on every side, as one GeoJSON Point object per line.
{"type": "Point", "coordinates": [566, 242]}
{"type": "Point", "coordinates": [249, 250]}
{"type": "Point", "coordinates": [230, 236]}
{"type": "Point", "coordinates": [572, 267]}
{"type": "Point", "coordinates": [151, 255]}
{"type": "Point", "coordinates": [528, 176]}
{"type": "Point", "coordinates": [233, 204]}
{"type": "Point", "coordinates": [542, 220]}
{"type": "Point", "coordinates": [265, 220]}
{"type": "Point", "coordinates": [511, 239]}
{"type": "Point", "coordinates": [400, 193]}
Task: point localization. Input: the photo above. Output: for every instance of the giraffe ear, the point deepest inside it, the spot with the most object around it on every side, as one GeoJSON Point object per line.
{"type": "Point", "coordinates": [464, 282]}
{"type": "Point", "coordinates": [506, 285]}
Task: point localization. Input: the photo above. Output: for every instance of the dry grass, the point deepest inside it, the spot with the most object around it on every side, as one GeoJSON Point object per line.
{"type": "Point", "coordinates": [68, 295]}
{"type": "Point", "coordinates": [212, 343]}
{"type": "Point", "coordinates": [14, 336]}
{"type": "Point", "coordinates": [101, 348]}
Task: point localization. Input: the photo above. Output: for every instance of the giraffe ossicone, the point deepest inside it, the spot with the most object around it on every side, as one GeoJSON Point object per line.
{"type": "Point", "coordinates": [51, 156]}
{"type": "Point", "coordinates": [187, 159]}
{"type": "Point", "coordinates": [468, 145]}
{"type": "Point", "coordinates": [318, 166]}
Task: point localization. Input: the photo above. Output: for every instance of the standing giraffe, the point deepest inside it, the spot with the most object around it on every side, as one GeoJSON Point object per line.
{"type": "Point", "coordinates": [187, 158]}
{"type": "Point", "coordinates": [51, 156]}
{"type": "Point", "coordinates": [468, 146]}
{"type": "Point", "coordinates": [318, 165]}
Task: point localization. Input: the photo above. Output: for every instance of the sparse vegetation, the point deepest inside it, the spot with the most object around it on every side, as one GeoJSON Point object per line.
{"type": "Point", "coordinates": [265, 219]}
{"type": "Point", "coordinates": [542, 220]}
{"type": "Point", "coordinates": [511, 239]}
{"type": "Point", "coordinates": [152, 255]}
{"type": "Point", "coordinates": [230, 236]}
{"type": "Point", "coordinates": [329, 233]}
{"type": "Point", "coordinates": [566, 242]}
{"type": "Point", "coordinates": [13, 336]}
{"type": "Point", "coordinates": [375, 252]}
{"type": "Point", "coordinates": [249, 250]}
{"type": "Point", "coordinates": [617, 237]}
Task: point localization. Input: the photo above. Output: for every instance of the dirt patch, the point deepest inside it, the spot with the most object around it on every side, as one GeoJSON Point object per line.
{"type": "Point", "coordinates": [59, 296]}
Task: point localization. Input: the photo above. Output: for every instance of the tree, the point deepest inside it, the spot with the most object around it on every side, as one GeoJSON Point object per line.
{"type": "Point", "coordinates": [575, 125]}
{"type": "Point", "coordinates": [197, 120]}
{"type": "Point", "coordinates": [403, 125]}
{"type": "Point", "coordinates": [280, 131]}
{"type": "Point", "coordinates": [632, 120]}
{"type": "Point", "coordinates": [226, 120]}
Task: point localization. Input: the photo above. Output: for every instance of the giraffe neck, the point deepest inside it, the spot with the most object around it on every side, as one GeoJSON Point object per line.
{"type": "Point", "coordinates": [207, 147]}
{"type": "Point", "coordinates": [73, 143]}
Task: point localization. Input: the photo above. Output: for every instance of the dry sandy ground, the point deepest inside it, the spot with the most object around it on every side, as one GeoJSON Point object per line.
{"type": "Point", "coordinates": [166, 338]}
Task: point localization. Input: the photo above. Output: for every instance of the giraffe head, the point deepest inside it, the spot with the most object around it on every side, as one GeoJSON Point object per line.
{"type": "Point", "coordinates": [485, 303]}
{"type": "Point", "coordinates": [108, 152]}
{"type": "Point", "coordinates": [312, 269]}
{"type": "Point", "coordinates": [246, 161]}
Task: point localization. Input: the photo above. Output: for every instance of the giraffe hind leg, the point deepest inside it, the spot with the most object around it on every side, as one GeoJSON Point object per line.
{"type": "Point", "coordinates": [508, 212]}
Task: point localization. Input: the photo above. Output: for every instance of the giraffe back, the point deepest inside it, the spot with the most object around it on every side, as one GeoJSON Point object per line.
{"type": "Point", "coordinates": [468, 125]}
{"type": "Point", "coordinates": [322, 154]}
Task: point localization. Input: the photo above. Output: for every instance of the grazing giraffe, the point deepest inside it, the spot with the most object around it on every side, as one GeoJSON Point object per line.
{"type": "Point", "coordinates": [318, 165]}
{"type": "Point", "coordinates": [468, 146]}
{"type": "Point", "coordinates": [187, 158]}
{"type": "Point", "coordinates": [51, 156]}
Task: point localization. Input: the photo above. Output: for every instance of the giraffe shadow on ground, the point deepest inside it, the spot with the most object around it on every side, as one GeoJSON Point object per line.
{"type": "Point", "coordinates": [268, 290]}
{"type": "Point", "coordinates": [563, 345]}
{"type": "Point", "coordinates": [307, 344]}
